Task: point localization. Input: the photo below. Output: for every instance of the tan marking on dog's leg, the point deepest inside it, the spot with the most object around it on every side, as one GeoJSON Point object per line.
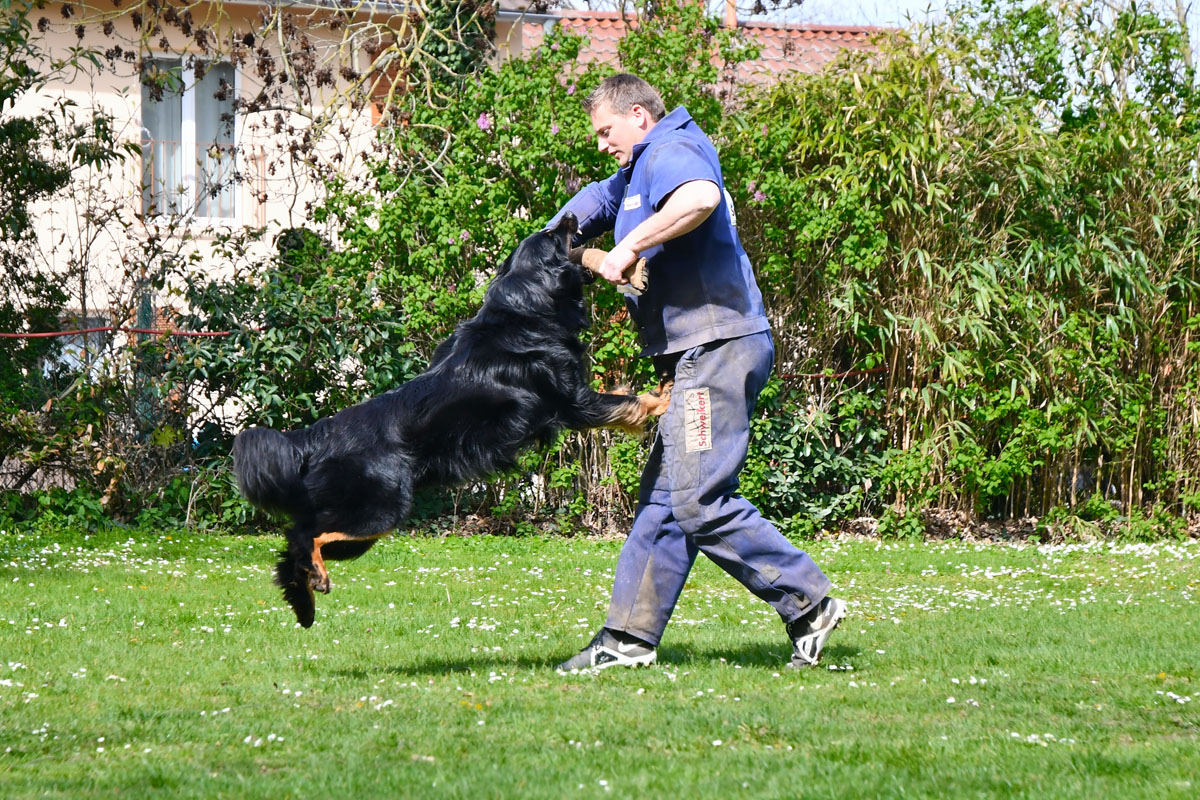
{"type": "Point", "coordinates": [320, 579]}
{"type": "Point", "coordinates": [657, 402]}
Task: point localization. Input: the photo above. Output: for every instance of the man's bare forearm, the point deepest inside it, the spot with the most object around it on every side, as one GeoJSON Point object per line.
{"type": "Point", "coordinates": [684, 210]}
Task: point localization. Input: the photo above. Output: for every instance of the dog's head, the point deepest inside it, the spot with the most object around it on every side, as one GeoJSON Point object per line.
{"type": "Point", "coordinates": [538, 278]}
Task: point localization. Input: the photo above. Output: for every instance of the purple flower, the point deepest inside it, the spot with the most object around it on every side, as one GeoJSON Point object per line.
{"type": "Point", "coordinates": [571, 89]}
{"type": "Point", "coordinates": [464, 235]}
{"type": "Point", "coordinates": [484, 122]}
{"type": "Point", "coordinates": [554, 46]}
{"type": "Point", "coordinates": [759, 197]}
{"type": "Point", "coordinates": [554, 128]}
{"type": "Point", "coordinates": [751, 186]}
{"type": "Point", "coordinates": [764, 130]}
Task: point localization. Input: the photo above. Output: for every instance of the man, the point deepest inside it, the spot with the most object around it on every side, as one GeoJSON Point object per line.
{"type": "Point", "coordinates": [702, 321]}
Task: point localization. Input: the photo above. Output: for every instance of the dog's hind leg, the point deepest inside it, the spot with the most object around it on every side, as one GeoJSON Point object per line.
{"type": "Point", "coordinates": [354, 546]}
{"type": "Point", "coordinates": [318, 579]}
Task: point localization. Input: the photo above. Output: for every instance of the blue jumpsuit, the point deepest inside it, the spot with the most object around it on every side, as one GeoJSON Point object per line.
{"type": "Point", "coordinates": [702, 319]}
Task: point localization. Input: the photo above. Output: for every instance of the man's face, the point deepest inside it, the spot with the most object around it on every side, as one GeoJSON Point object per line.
{"type": "Point", "coordinates": [616, 134]}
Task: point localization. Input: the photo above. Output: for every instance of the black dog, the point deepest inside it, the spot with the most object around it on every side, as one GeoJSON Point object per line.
{"type": "Point", "coordinates": [512, 376]}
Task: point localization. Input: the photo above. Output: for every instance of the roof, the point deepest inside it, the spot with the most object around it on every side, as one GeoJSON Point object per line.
{"type": "Point", "coordinates": [806, 48]}
{"type": "Point", "coordinates": [784, 47]}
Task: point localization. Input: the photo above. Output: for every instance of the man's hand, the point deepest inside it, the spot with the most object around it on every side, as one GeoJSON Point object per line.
{"type": "Point", "coordinates": [618, 260]}
{"type": "Point", "coordinates": [681, 212]}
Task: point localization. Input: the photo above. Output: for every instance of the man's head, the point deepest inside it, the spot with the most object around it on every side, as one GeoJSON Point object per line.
{"type": "Point", "coordinates": [623, 109]}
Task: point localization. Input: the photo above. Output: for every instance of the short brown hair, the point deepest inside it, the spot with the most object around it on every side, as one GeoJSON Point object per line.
{"type": "Point", "coordinates": [622, 92]}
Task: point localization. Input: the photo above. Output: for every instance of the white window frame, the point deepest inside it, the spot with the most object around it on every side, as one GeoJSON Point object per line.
{"type": "Point", "coordinates": [75, 348]}
{"type": "Point", "coordinates": [187, 136]}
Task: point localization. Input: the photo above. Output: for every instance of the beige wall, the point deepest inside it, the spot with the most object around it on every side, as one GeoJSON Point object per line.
{"type": "Point", "coordinates": [98, 220]}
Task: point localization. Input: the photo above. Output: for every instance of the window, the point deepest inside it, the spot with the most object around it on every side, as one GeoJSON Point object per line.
{"type": "Point", "coordinates": [188, 164]}
{"type": "Point", "coordinates": [80, 351]}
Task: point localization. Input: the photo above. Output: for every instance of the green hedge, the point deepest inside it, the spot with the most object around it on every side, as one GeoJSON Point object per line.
{"type": "Point", "coordinates": [978, 244]}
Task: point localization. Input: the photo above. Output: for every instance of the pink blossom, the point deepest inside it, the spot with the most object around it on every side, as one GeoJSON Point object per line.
{"type": "Point", "coordinates": [554, 128]}
{"type": "Point", "coordinates": [484, 122]}
{"type": "Point", "coordinates": [750, 187]}
{"type": "Point", "coordinates": [464, 235]}
{"type": "Point", "coordinates": [571, 89]}
{"type": "Point", "coordinates": [759, 197]}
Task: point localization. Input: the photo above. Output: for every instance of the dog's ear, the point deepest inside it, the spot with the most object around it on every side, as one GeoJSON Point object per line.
{"type": "Point", "coordinates": [443, 350]}
{"type": "Point", "coordinates": [505, 265]}
{"type": "Point", "coordinates": [571, 307]}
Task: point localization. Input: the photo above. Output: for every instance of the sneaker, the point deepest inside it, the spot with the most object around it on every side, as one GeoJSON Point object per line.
{"type": "Point", "coordinates": [809, 633]}
{"type": "Point", "coordinates": [608, 649]}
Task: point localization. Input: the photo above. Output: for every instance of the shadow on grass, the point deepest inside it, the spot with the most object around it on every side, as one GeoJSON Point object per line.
{"type": "Point", "coordinates": [766, 656]}
{"type": "Point", "coordinates": [769, 656]}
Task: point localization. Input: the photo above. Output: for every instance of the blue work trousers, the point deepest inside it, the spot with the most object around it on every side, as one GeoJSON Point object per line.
{"type": "Point", "coordinates": [688, 499]}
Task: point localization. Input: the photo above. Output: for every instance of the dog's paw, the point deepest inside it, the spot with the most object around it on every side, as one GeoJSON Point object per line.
{"type": "Point", "coordinates": [656, 402]}
{"type": "Point", "coordinates": [648, 404]}
{"type": "Point", "coordinates": [319, 582]}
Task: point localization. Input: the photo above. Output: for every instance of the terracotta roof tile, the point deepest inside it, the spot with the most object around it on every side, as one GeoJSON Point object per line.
{"type": "Point", "coordinates": [784, 47]}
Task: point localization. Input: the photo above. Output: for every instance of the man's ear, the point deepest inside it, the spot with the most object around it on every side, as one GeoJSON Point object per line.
{"type": "Point", "coordinates": [641, 115]}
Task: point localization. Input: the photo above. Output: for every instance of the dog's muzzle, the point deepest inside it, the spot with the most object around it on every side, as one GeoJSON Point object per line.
{"type": "Point", "coordinates": [566, 228]}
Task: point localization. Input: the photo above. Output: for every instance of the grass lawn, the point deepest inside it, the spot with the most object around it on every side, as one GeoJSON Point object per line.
{"type": "Point", "coordinates": [140, 664]}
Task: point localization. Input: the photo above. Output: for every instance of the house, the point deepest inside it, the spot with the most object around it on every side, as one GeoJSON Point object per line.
{"type": "Point", "coordinates": [171, 78]}
{"type": "Point", "coordinates": [202, 92]}
{"type": "Point", "coordinates": [204, 95]}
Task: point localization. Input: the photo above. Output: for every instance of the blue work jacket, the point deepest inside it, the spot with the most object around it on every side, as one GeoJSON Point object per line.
{"type": "Point", "coordinates": [701, 285]}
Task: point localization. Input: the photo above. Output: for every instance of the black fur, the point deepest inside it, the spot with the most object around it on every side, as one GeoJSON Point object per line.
{"type": "Point", "coordinates": [510, 377]}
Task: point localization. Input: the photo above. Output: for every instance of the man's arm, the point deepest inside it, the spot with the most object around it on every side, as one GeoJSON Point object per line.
{"type": "Point", "coordinates": [595, 206]}
{"type": "Point", "coordinates": [682, 212]}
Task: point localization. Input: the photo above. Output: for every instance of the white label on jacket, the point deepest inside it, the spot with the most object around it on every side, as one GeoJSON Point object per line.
{"type": "Point", "coordinates": [697, 420]}
{"type": "Point", "coordinates": [633, 201]}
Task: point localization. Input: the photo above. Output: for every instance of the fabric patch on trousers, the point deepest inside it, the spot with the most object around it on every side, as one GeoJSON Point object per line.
{"type": "Point", "coordinates": [697, 420]}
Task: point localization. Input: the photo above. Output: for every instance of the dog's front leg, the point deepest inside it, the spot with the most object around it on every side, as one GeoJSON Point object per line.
{"type": "Point", "coordinates": [621, 410]}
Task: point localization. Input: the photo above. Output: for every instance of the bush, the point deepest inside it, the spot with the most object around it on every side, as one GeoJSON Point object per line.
{"type": "Point", "coordinates": [1010, 235]}
{"type": "Point", "coordinates": [978, 249]}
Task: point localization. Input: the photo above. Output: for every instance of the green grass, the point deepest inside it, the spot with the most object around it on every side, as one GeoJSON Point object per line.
{"type": "Point", "coordinates": [145, 664]}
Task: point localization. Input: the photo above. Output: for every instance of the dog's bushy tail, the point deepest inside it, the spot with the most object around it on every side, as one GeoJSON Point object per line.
{"type": "Point", "coordinates": [267, 466]}
{"type": "Point", "coordinates": [293, 571]}
{"type": "Point", "coordinates": [293, 579]}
